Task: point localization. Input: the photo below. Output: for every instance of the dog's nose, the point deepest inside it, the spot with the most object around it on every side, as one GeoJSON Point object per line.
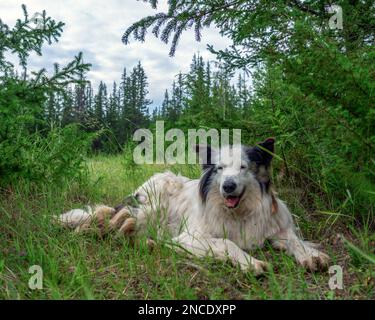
{"type": "Point", "coordinates": [229, 186]}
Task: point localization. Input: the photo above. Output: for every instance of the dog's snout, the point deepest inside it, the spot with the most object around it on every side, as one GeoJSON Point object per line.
{"type": "Point", "coordinates": [229, 186]}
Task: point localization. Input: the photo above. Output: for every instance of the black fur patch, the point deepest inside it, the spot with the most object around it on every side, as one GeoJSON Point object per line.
{"type": "Point", "coordinates": [262, 156]}
{"type": "Point", "coordinates": [205, 182]}
{"type": "Point", "coordinates": [119, 207]}
{"type": "Point", "coordinates": [205, 154]}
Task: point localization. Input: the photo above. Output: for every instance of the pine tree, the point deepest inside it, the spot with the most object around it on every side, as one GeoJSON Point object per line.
{"type": "Point", "coordinates": [135, 100]}
{"type": "Point", "coordinates": [198, 103]}
{"type": "Point", "coordinates": [67, 107]}
{"type": "Point", "coordinates": [243, 92]}
{"type": "Point", "coordinates": [79, 101]}
{"type": "Point", "coordinates": [100, 105]}
{"type": "Point", "coordinates": [248, 23]}
{"type": "Point", "coordinates": [141, 85]}
{"type": "Point", "coordinates": [52, 114]}
{"type": "Point", "coordinates": [165, 106]}
{"type": "Point", "coordinates": [123, 125]}
{"type": "Point", "coordinates": [112, 113]}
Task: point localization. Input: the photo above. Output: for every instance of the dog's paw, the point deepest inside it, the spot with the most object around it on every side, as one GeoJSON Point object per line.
{"type": "Point", "coordinates": [314, 260]}
{"type": "Point", "coordinates": [128, 228]}
{"type": "Point", "coordinates": [257, 267]}
{"type": "Point", "coordinates": [119, 218]}
{"type": "Point", "coordinates": [102, 216]}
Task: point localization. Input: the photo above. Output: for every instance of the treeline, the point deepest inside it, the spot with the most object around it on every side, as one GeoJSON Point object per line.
{"type": "Point", "coordinates": [113, 115]}
{"type": "Point", "coordinates": [206, 96]}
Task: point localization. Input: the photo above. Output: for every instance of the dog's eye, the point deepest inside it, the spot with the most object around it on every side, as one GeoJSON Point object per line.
{"type": "Point", "coordinates": [243, 167]}
{"type": "Point", "coordinates": [220, 168]}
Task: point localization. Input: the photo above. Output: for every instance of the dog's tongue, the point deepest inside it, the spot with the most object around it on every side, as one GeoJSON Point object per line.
{"type": "Point", "coordinates": [231, 202]}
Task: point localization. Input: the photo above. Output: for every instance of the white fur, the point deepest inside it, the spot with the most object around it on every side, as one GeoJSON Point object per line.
{"type": "Point", "coordinates": [213, 229]}
{"type": "Point", "coordinates": [76, 217]}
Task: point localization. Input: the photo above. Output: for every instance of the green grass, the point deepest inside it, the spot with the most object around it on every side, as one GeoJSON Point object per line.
{"type": "Point", "coordinates": [85, 267]}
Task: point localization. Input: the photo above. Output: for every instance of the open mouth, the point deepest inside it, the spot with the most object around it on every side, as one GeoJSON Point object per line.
{"type": "Point", "coordinates": [233, 201]}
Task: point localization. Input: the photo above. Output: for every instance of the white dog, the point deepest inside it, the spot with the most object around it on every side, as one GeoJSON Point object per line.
{"type": "Point", "coordinates": [225, 213]}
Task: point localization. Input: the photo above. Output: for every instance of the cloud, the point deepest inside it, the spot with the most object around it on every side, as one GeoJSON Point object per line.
{"type": "Point", "coordinates": [95, 27]}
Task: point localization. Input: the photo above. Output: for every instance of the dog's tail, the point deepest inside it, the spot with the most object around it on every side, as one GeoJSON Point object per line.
{"type": "Point", "coordinates": [76, 217]}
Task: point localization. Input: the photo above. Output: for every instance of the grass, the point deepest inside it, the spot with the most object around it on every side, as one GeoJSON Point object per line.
{"type": "Point", "coordinates": [85, 267]}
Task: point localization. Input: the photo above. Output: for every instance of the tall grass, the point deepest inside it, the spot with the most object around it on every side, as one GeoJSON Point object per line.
{"type": "Point", "coordinates": [86, 267]}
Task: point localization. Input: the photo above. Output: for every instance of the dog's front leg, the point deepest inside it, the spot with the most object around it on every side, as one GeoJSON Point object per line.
{"type": "Point", "coordinates": [305, 252]}
{"type": "Point", "coordinates": [221, 249]}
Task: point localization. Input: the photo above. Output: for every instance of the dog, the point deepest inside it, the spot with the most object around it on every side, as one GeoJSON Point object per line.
{"type": "Point", "coordinates": [230, 210]}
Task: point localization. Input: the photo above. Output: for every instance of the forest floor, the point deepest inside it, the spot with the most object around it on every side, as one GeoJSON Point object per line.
{"type": "Point", "coordinates": [85, 267]}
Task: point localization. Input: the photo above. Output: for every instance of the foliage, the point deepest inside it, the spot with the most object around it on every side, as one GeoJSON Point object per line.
{"type": "Point", "coordinates": [29, 150]}
{"type": "Point", "coordinates": [57, 156]}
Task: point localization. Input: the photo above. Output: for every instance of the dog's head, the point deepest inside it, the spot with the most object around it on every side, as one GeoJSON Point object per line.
{"type": "Point", "coordinates": [232, 169]}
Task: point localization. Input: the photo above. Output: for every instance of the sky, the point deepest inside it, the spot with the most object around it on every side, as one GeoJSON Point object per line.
{"type": "Point", "coordinates": [95, 27]}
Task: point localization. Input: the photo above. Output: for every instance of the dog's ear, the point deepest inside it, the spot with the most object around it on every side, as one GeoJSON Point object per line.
{"type": "Point", "coordinates": [268, 149]}
{"type": "Point", "coordinates": [206, 154]}
{"type": "Point", "coordinates": [262, 153]}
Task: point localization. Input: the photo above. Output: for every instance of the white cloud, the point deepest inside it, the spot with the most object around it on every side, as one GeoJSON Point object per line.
{"type": "Point", "coordinates": [95, 27]}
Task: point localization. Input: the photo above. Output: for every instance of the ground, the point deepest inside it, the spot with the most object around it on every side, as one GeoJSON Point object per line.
{"type": "Point", "coordinates": [86, 267]}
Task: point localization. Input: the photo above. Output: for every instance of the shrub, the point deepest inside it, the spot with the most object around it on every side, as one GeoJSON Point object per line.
{"type": "Point", "coordinates": [29, 149]}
